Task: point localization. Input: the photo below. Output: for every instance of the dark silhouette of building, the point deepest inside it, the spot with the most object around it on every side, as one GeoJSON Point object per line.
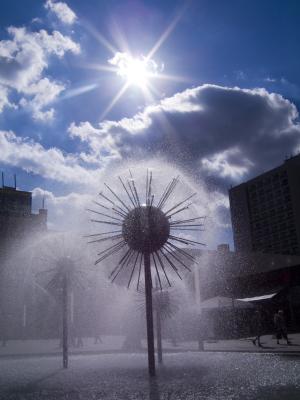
{"type": "Point", "coordinates": [16, 217]}
{"type": "Point", "coordinates": [18, 228]}
{"type": "Point", "coordinates": [265, 211]}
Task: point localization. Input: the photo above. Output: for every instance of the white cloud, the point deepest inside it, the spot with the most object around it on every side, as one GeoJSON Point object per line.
{"type": "Point", "coordinates": [4, 101]}
{"type": "Point", "coordinates": [49, 163]}
{"type": "Point", "coordinates": [43, 93]}
{"type": "Point", "coordinates": [62, 11]}
{"type": "Point", "coordinates": [66, 212]}
{"type": "Point", "coordinates": [100, 143]}
{"type": "Point", "coordinates": [23, 60]}
{"type": "Point", "coordinates": [229, 163]}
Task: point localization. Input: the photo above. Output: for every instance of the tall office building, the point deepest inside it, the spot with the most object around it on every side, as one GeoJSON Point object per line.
{"type": "Point", "coordinates": [265, 211]}
{"type": "Point", "coordinates": [16, 217]}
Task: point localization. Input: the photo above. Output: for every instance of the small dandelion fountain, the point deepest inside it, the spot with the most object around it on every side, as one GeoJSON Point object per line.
{"type": "Point", "coordinates": [144, 231]}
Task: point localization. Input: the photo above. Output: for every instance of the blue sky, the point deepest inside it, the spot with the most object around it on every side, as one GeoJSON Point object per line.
{"type": "Point", "coordinates": [225, 89]}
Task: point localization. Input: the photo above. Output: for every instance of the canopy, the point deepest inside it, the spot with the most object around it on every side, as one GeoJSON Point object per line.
{"type": "Point", "coordinates": [220, 302]}
{"type": "Point", "coordinates": [258, 298]}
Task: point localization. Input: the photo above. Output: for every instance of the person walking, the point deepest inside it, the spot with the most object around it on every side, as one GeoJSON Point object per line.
{"type": "Point", "coordinates": [280, 327]}
{"type": "Point", "coordinates": [257, 326]}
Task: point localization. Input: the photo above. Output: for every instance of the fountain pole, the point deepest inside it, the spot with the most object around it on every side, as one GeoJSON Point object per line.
{"type": "Point", "coordinates": [65, 321]}
{"type": "Point", "coordinates": [158, 336]}
{"type": "Point", "coordinates": [149, 314]}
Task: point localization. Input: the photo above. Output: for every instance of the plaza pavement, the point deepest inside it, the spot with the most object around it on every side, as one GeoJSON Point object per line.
{"type": "Point", "coordinates": [114, 344]}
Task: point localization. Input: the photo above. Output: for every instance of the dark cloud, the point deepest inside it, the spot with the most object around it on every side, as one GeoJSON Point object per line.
{"type": "Point", "coordinates": [225, 134]}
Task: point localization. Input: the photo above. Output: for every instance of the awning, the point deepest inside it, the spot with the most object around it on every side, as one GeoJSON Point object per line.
{"type": "Point", "coordinates": [258, 298]}
{"type": "Point", "coordinates": [221, 302]}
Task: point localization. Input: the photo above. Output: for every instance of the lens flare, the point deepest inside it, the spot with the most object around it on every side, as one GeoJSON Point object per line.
{"type": "Point", "coordinates": [136, 70]}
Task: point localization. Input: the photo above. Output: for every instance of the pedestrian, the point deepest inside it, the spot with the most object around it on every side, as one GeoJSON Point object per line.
{"type": "Point", "coordinates": [98, 338]}
{"type": "Point", "coordinates": [280, 327]}
{"type": "Point", "coordinates": [257, 326]}
{"type": "Point", "coordinates": [79, 341]}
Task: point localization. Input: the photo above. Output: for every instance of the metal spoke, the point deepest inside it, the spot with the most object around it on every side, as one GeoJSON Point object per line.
{"type": "Point", "coordinates": [187, 255]}
{"type": "Point", "coordinates": [157, 273]}
{"type": "Point", "coordinates": [164, 193]}
{"type": "Point", "coordinates": [186, 240]}
{"type": "Point", "coordinates": [170, 191]}
{"type": "Point", "coordinates": [117, 197]}
{"type": "Point", "coordinates": [106, 198]}
{"type": "Point", "coordinates": [171, 263]}
{"type": "Point", "coordinates": [136, 193]}
{"type": "Point", "coordinates": [104, 215]}
{"type": "Point", "coordinates": [101, 234]}
{"type": "Point", "coordinates": [163, 268]}
{"type": "Point", "coordinates": [122, 259]}
{"type": "Point", "coordinates": [133, 268]}
{"type": "Point", "coordinates": [107, 238]}
{"type": "Point", "coordinates": [180, 210]}
{"type": "Point", "coordinates": [124, 263]}
{"type": "Point", "coordinates": [176, 228]}
{"type": "Point", "coordinates": [120, 213]}
{"type": "Point", "coordinates": [100, 205]}
{"type": "Point", "coordinates": [185, 220]}
{"type": "Point", "coordinates": [106, 222]}
{"type": "Point", "coordinates": [150, 188]}
{"type": "Point", "coordinates": [147, 179]}
{"type": "Point", "coordinates": [179, 204]}
{"type": "Point", "coordinates": [170, 188]}
{"type": "Point", "coordinates": [111, 250]}
{"type": "Point", "coordinates": [130, 198]}
{"type": "Point", "coordinates": [140, 267]}
{"type": "Point", "coordinates": [176, 258]}
{"type": "Point", "coordinates": [132, 192]}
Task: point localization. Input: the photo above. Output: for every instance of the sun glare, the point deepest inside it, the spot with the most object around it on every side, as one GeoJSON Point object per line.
{"type": "Point", "coordinates": [136, 71]}
{"type": "Point", "coordinates": [139, 71]}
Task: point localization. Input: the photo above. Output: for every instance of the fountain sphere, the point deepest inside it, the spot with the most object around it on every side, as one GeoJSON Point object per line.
{"type": "Point", "coordinates": [146, 229]}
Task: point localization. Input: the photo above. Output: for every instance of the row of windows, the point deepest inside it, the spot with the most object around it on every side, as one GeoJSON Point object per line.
{"type": "Point", "coordinates": [270, 218]}
{"type": "Point", "coordinates": [275, 236]}
{"type": "Point", "coordinates": [270, 249]}
{"type": "Point", "coordinates": [278, 223]}
{"type": "Point", "coordinates": [278, 244]}
{"type": "Point", "coordinates": [274, 180]}
{"type": "Point", "coordinates": [277, 195]}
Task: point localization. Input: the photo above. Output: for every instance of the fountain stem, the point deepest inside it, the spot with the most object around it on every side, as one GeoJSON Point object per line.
{"type": "Point", "coordinates": [149, 314]}
{"type": "Point", "coordinates": [65, 321]}
{"type": "Point", "coordinates": [158, 336]}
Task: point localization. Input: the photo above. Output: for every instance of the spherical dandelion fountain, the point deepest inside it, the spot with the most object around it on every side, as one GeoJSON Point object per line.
{"type": "Point", "coordinates": [60, 257]}
{"type": "Point", "coordinates": [147, 234]}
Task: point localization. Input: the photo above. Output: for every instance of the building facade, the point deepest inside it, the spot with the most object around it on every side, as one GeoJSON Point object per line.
{"type": "Point", "coordinates": [265, 211]}
{"type": "Point", "coordinates": [16, 217]}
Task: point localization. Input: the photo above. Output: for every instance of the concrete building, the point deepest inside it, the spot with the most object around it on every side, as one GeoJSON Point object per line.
{"type": "Point", "coordinates": [265, 211]}
{"type": "Point", "coordinates": [18, 227]}
{"type": "Point", "coordinates": [16, 217]}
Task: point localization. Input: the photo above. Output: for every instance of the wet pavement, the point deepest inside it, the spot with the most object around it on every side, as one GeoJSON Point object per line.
{"type": "Point", "coordinates": [114, 344]}
{"type": "Point", "coordinates": [186, 375]}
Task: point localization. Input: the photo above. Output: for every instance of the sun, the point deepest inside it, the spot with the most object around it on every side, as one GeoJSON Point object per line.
{"type": "Point", "coordinates": [137, 71]}
{"type": "Point", "coordinates": [140, 71]}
